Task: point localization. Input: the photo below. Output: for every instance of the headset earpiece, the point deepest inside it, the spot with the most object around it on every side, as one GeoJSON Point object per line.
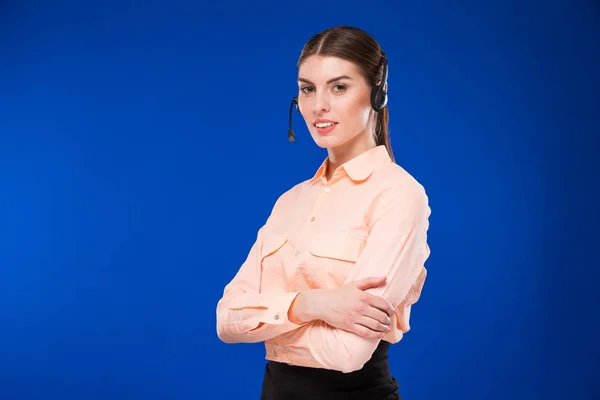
{"type": "Point", "coordinates": [379, 96]}
{"type": "Point", "coordinates": [291, 135]}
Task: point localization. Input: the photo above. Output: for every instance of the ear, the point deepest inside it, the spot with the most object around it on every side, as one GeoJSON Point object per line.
{"type": "Point", "coordinates": [385, 87]}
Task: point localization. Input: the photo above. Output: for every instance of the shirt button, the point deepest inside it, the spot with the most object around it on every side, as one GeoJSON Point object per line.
{"type": "Point", "coordinates": [327, 190]}
{"type": "Point", "coordinates": [296, 253]}
{"type": "Point", "coordinates": [312, 219]}
{"type": "Point", "coordinates": [276, 316]}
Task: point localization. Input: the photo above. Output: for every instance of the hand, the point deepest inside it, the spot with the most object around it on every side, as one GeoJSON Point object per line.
{"type": "Point", "coordinates": [352, 309]}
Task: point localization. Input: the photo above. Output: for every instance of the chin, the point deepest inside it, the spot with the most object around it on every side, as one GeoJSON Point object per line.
{"type": "Point", "coordinates": [326, 141]}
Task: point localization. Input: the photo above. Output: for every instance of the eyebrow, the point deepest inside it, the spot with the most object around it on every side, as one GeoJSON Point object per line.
{"type": "Point", "coordinates": [328, 82]}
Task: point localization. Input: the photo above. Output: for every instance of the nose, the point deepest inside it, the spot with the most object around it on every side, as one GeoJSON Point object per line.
{"type": "Point", "coordinates": [321, 102]}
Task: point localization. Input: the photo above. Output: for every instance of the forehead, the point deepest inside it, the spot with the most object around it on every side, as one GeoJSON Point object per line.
{"type": "Point", "coordinates": [322, 68]}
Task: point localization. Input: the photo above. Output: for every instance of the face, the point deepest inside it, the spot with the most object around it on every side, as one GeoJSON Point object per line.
{"type": "Point", "coordinates": [334, 100]}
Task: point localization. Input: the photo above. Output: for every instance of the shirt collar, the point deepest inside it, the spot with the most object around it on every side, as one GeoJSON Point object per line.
{"type": "Point", "coordinates": [360, 167]}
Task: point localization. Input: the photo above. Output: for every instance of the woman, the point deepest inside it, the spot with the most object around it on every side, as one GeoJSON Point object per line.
{"type": "Point", "coordinates": [330, 281]}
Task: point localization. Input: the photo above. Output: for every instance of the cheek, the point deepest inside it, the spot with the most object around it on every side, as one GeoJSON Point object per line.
{"type": "Point", "coordinates": [305, 109]}
{"type": "Point", "coordinates": [356, 113]}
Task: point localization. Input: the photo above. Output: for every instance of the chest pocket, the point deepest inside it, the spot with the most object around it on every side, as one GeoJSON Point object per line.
{"type": "Point", "coordinates": [334, 254]}
{"type": "Point", "coordinates": [272, 250]}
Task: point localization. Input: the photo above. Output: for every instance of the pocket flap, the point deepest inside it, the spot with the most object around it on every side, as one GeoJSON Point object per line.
{"type": "Point", "coordinates": [272, 243]}
{"type": "Point", "coordinates": [337, 246]}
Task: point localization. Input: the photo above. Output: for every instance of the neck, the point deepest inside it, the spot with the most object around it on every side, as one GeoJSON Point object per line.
{"type": "Point", "coordinates": [346, 152]}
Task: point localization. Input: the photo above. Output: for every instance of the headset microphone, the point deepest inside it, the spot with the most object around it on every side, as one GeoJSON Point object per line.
{"type": "Point", "coordinates": [291, 136]}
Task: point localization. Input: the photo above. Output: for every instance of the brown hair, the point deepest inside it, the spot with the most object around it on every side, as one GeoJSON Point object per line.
{"type": "Point", "coordinates": [357, 46]}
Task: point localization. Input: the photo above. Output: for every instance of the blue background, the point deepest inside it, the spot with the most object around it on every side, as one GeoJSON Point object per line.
{"type": "Point", "coordinates": [142, 144]}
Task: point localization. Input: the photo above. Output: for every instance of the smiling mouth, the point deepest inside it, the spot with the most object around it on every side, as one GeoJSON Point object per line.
{"type": "Point", "coordinates": [323, 125]}
{"type": "Point", "coordinates": [324, 128]}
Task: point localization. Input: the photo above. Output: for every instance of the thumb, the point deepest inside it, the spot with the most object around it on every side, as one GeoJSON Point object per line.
{"type": "Point", "coordinates": [372, 282]}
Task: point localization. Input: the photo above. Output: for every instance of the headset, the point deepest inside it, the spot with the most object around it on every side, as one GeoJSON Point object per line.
{"type": "Point", "coordinates": [379, 97]}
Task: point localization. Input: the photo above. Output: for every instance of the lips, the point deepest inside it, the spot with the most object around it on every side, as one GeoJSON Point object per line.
{"type": "Point", "coordinates": [324, 126]}
{"type": "Point", "coordinates": [323, 123]}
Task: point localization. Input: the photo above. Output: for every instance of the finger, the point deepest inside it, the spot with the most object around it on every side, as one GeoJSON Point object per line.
{"type": "Point", "coordinates": [372, 324]}
{"type": "Point", "coordinates": [365, 332]}
{"type": "Point", "coordinates": [377, 314]}
{"type": "Point", "coordinates": [368, 283]}
{"type": "Point", "coordinates": [380, 304]}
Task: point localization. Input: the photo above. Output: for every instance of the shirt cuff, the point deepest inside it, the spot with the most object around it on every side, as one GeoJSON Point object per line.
{"type": "Point", "coordinates": [277, 312]}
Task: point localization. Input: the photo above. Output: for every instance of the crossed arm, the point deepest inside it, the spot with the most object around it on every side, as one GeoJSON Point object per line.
{"type": "Point", "coordinates": [396, 248]}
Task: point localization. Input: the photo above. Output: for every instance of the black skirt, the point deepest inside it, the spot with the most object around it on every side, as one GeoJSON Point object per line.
{"type": "Point", "coordinates": [373, 382]}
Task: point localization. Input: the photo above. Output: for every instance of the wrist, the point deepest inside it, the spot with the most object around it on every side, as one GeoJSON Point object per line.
{"type": "Point", "coordinates": [303, 308]}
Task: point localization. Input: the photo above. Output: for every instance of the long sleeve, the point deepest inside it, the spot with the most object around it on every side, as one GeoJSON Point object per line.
{"type": "Point", "coordinates": [396, 248]}
{"type": "Point", "coordinates": [244, 314]}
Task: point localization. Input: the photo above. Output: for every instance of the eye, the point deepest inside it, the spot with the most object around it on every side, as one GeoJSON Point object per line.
{"type": "Point", "coordinates": [306, 89]}
{"type": "Point", "coordinates": [339, 88]}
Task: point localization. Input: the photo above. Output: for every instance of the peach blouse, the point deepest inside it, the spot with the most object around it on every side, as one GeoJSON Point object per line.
{"type": "Point", "coordinates": [371, 219]}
